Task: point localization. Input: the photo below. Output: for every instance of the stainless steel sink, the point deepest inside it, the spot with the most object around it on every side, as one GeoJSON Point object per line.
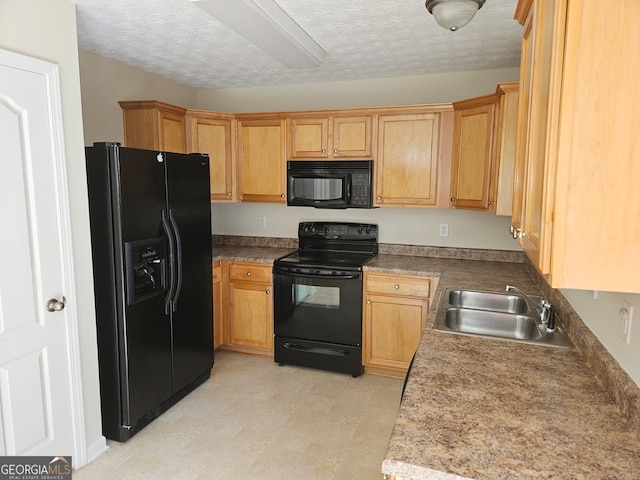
{"type": "Point", "coordinates": [494, 301]}
{"type": "Point", "coordinates": [498, 315]}
{"type": "Point", "coordinates": [494, 324]}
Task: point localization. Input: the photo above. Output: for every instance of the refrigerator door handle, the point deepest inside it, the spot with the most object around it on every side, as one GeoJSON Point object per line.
{"type": "Point", "coordinates": [178, 254]}
{"type": "Point", "coordinates": [172, 262]}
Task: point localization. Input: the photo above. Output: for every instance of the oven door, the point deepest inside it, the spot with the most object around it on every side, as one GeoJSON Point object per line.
{"type": "Point", "coordinates": [320, 190]}
{"type": "Point", "coordinates": [318, 305]}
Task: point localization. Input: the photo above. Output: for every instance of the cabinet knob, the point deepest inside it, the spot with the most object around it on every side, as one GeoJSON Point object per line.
{"type": "Point", "coordinates": [335, 151]}
{"type": "Point", "coordinates": [490, 202]}
{"type": "Point", "coordinates": [379, 197]}
{"type": "Point", "coordinates": [452, 199]}
{"type": "Point", "coordinates": [368, 302]}
{"type": "Point", "coordinates": [397, 287]}
{"type": "Point", "coordinates": [282, 195]}
{"type": "Point", "coordinates": [267, 291]}
{"type": "Point", "coordinates": [228, 194]}
{"type": "Point", "coordinates": [248, 274]}
{"type": "Point", "coordinates": [324, 151]}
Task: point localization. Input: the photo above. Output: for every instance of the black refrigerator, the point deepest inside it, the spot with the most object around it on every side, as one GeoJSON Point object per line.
{"type": "Point", "coordinates": [150, 216]}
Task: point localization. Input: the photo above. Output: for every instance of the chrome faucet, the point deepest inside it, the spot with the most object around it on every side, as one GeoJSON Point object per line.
{"type": "Point", "coordinates": [546, 312]}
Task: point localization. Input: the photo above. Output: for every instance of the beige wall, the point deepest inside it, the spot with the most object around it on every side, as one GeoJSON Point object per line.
{"type": "Point", "coordinates": [417, 89]}
{"type": "Point", "coordinates": [105, 83]}
{"type": "Point", "coordinates": [46, 29]}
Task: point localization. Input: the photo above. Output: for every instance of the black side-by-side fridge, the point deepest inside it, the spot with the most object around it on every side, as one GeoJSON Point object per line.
{"type": "Point", "coordinates": [151, 245]}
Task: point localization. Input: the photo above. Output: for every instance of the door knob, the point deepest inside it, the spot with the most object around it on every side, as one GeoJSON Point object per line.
{"type": "Point", "coordinates": [54, 305]}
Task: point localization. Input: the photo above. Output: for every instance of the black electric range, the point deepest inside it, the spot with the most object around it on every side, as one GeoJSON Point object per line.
{"type": "Point", "coordinates": [318, 296]}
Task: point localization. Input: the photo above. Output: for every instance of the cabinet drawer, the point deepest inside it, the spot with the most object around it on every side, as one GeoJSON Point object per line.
{"type": "Point", "coordinates": [398, 285]}
{"type": "Point", "coordinates": [250, 272]}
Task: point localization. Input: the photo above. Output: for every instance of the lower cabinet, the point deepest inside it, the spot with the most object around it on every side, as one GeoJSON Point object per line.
{"type": "Point", "coordinates": [250, 309]}
{"type": "Point", "coordinates": [395, 313]}
{"type": "Point", "coordinates": [218, 331]}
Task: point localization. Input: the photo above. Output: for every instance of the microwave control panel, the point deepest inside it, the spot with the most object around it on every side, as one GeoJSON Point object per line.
{"type": "Point", "coordinates": [360, 189]}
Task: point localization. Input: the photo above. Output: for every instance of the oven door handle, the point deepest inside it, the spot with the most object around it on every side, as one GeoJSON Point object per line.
{"type": "Point", "coordinates": [322, 351]}
{"type": "Point", "coordinates": [341, 276]}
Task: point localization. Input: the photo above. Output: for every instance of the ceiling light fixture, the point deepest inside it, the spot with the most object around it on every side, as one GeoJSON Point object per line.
{"type": "Point", "coordinates": [453, 14]}
{"type": "Point", "coordinates": [265, 24]}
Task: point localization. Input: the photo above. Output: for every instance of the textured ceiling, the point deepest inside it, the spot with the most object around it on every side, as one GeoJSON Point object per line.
{"type": "Point", "coordinates": [363, 39]}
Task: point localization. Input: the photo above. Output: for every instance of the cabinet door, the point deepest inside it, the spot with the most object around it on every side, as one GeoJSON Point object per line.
{"type": "Point", "coordinates": [407, 164]}
{"type": "Point", "coordinates": [262, 161]}
{"type": "Point", "coordinates": [209, 133]}
{"type": "Point", "coordinates": [153, 125]}
{"type": "Point", "coordinates": [473, 173]}
{"type": "Point", "coordinates": [250, 315]}
{"type": "Point", "coordinates": [353, 137]}
{"type": "Point", "coordinates": [172, 132]}
{"type": "Point", "coordinates": [218, 330]}
{"type": "Point", "coordinates": [504, 151]}
{"type": "Point", "coordinates": [547, 33]}
{"type": "Point", "coordinates": [309, 137]}
{"type": "Point", "coordinates": [393, 326]}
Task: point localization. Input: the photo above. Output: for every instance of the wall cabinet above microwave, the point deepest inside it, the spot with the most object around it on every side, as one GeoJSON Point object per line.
{"type": "Point", "coordinates": [339, 136]}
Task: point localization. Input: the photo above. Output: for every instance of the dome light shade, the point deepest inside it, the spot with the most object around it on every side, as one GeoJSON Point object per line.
{"type": "Point", "coordinates": [453, 14]}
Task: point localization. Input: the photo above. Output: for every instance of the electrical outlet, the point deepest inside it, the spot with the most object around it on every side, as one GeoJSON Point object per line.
{"type": "Point", "coordinates": [262, 222]}
{"type": "Point", "coordinates": [625, 314]}
{"type": "Point", "coordinates": [444, 229]}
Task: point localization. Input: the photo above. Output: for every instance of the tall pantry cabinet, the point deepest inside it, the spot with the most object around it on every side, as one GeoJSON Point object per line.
{"type": "Point", "coordinates": [576, 200]}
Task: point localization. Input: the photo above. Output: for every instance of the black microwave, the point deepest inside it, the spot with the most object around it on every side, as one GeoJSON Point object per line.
{"type": "Point", "coordinates": [330, 184]}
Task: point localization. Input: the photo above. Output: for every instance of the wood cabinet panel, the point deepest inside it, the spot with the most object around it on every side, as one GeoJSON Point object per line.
{"type": "Point", "coordinates": [393, 331]}
{"type": "Point", "coordinates": [579, 206]}
{"type": "Point", "coordinates": [154, 125]}
{"type": "Point", "coordinates": [213, 133]}
{"type": "Point", "coordinates": [330, 137]}
{"type": "Point", "coordinates": [249, 322]}
{"type": "Point", "coordinates": [407, 163]}
{"type": "Point", "coordinates": [251, 317]}
{"type": "Point", "coordinates": [395, 312]}
{"type": "Point", "coordinates": [262, 160]}
{"type": "Point", "coordinates": [504, 154]}
{"type": "Point", "coordinates": [250, 272]}
{"type": "Point", "coordinates": [218, 322]}
{"type": "Point", "coordinates": [473, 171]}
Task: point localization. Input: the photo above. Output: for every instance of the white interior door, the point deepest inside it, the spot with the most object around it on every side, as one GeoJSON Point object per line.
{"type": "Point", "coordinates": [38, 324]}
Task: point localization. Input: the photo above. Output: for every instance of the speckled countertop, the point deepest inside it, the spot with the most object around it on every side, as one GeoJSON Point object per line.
{"type": "Point", "coordinates": [490, 409]}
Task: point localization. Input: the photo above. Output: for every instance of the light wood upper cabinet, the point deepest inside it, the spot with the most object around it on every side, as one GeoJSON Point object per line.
{"type": "Point", "coordinates": [330, 137]}
{"type": "Point", "coordinates": [154, 125]}
{"type": "Point", "coordinates": [473, 171]}
{"type": "Point", "coordinates": [580, 199]}
{"type": "Point", "coordinates": [413, 158]}
{"type": "Point", "coordinates": [484, 151]}
{"type": "Point", "coordinates": [261, 159]}
{"type": "Point", "coordinates": [214, 133]}
{"type": "Point", "coordinates": [504, 145]}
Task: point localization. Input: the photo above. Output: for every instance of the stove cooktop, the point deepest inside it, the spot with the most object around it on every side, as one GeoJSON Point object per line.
{"type": "Point", "coordinates": [333, 245]}
{"type": "Point", "coordinates": [325, 259]}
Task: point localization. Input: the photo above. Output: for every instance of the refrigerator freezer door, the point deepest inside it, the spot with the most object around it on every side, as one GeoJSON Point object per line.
{"type": "Point", "coordinates": [146, 330]}
{"type": "Point", "coordinates": [189, 208]}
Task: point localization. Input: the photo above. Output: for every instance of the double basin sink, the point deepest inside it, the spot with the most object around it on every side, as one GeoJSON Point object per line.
{"type": "Point", "coordinates": [498, 315]}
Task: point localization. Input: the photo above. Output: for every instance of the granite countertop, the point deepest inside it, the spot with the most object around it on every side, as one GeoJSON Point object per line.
{"type": "Point", "coordinates": [491, 409]}
{"type": "Point", "coordinates": [240, 253]}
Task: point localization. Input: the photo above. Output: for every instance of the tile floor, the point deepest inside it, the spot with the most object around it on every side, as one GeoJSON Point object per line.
{"type": "Point", "coordinates": [255, 420]}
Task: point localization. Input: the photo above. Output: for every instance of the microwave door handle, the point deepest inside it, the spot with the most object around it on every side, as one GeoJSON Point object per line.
{"type": "Point", "coordinates": [348, 189]}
